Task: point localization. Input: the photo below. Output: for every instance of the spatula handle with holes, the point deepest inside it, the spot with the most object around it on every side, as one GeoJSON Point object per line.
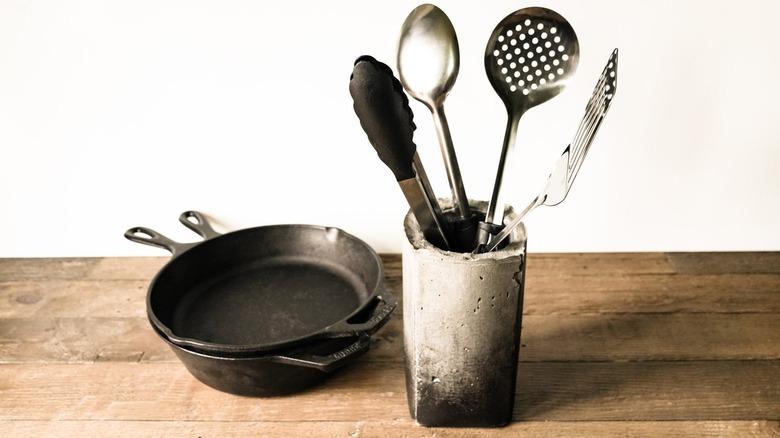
{"type": "Point", "coordinates": [384, 113]}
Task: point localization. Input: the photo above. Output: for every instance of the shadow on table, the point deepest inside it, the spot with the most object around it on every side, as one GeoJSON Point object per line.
{"type": "Point", "coordinates": [593, 386]}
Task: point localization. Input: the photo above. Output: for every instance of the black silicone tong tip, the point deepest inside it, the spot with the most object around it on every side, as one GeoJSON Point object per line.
{"type": "Point", "coordinates": [383, 109]}
{"type": "Point", "coordinates": [396, 84]}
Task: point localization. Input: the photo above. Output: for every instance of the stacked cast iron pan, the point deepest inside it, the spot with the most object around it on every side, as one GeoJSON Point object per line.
{"type": "Point", "coordinates": [267, 310]}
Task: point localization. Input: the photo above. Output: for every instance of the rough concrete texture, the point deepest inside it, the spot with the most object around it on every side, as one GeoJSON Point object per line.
{"type": "Point", "coordinates": [462, 318]}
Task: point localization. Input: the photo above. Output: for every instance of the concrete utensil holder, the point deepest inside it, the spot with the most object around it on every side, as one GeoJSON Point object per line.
{"type": "Point", "coordinates": [462, 317]}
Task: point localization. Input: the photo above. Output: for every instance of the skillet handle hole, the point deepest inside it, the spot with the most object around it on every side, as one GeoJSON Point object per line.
{"type": "Point", "coordinates": [191, 218]}
{"type": "Point", "coordinates": [142, 234]}
{"type": "Point", "coordinates": [364, 315]}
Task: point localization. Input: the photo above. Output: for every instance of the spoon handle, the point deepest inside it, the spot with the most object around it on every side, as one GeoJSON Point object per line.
{"type": "Point", "coordinates": [459, 198]}
{"type": "Point", "coordinates": [462, 223]}
{"type": "Point", "coordinates": [494, 217]}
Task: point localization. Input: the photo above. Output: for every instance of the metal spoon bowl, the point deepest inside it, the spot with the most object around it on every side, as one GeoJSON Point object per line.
{"type": "Point", "coordinates": [428, 55]}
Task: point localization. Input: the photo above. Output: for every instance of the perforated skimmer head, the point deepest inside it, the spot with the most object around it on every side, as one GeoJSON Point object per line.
{"type": "Point", "coordinates": [529, 57]}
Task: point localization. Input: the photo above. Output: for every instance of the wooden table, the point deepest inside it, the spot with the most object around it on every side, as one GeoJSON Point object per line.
{"type": "Point", "coordinates": [651, 344]}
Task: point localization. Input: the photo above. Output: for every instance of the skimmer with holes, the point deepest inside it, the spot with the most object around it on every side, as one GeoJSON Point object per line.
{"type": "Point", "coordinates": [528, 59]}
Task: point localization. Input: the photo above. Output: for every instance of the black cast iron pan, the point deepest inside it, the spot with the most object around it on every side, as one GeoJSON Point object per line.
{"type": "Point", "coordinates": [265, 288]}
{"type": "Point", "coordinates": [275, 373]}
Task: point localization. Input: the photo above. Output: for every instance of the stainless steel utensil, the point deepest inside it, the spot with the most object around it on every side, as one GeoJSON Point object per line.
{"type": "Point", "coordinates": [383, 109]}
{"type": "Point", "coordinates": [559, 182]}
{"type": "Point", "coordinates": [428, 62]}
{"type": "Point", "coordinates": [528, 59]}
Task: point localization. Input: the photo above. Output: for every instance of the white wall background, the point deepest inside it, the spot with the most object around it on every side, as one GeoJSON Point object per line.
{"type": "Point", "coordinates": [114, 114]}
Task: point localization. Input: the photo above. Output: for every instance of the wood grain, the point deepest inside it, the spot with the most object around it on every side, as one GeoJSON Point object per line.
{"type": "Point", "coordinates": [83, 268]}
{"type": "Point", "coordinates": [730, 293]}
{"type": "Point", "coordinates": [725, 262]}
{"type": "Point", "coordinates": [690, 390]}
{"type": "Point", "coordinates": [401, 428]}
{"type": "Point", "coordinates": [588, 264]}
{"type": "Point", "coordinates": [73, 299]}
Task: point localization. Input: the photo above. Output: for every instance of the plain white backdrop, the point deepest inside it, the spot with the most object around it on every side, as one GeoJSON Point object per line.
{"type": "Point", "coordinates": [115, 114]}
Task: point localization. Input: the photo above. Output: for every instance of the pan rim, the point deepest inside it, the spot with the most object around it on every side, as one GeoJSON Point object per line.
{"type": "Point", "coordinates": [375, 291]}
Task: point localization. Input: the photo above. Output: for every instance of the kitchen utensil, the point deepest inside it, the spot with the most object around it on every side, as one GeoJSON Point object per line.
{"type": "Point", "coordinates": [264, 288]}
{"type": "Point", "coordinates": [428, 63]}
{"type": "Point", "coordinates": [559, 182]}
{"type": "Point", "coordinates": [275, 373]}
{"type": "Point", "coordinates": [528, 59]}
{"type": "Point", "coordinates": [384, 113]}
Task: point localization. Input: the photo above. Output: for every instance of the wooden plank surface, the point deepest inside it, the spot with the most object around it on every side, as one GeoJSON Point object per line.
{"type": "Point", "coordinates": [562, 391]}
{"type": "Point", "coordinates": [651, 344]}
{"type": "Point", "coordinates": [725, 262]}
{"type": "Point", "coordinates": [385, 429]}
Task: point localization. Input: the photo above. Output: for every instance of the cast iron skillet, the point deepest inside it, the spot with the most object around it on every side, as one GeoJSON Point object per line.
{"type": "Point", "coordinates": [275, 373]}
{"type": "Point", "coordinates": [264, 288]}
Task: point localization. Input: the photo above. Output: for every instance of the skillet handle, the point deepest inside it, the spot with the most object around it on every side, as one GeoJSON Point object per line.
{"type": "Point", "coordinates": [147, 236]}
{"type": "Point", "coordinates": [378, 318]}
{"type": "Point", "coordinates": [197, 222]}
{"type": "Point", "coordinates": [328, 362]}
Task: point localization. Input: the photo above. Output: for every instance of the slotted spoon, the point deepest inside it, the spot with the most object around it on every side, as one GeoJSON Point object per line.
{"type": "Point", "coordinates": [561, 179]}
{"type": "Point", "coordinates": [528, 59]}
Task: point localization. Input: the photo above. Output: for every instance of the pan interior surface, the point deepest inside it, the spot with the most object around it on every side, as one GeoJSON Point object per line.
{"type": "Point", "coordinates": [270, 301]}
{"type": "Point", "coordinates": [264, 287]}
